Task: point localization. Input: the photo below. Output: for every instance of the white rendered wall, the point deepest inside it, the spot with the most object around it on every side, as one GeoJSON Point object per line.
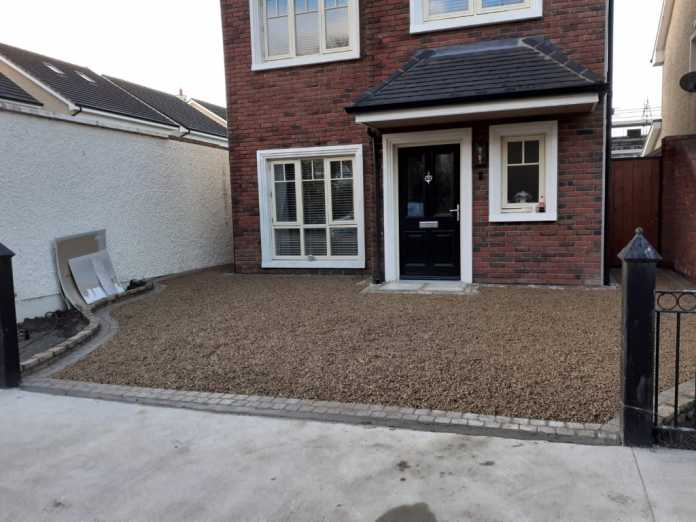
{"type": "Point", "coordinates": [165, 204]}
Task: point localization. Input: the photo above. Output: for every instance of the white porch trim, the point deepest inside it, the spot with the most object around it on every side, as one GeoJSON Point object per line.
{"type": "Point", "coordinates": [390, 188]}
{"type": "Point", "coordinates": [571, 103]}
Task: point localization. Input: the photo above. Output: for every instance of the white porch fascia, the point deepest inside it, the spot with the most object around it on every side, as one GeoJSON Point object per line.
{"type": "Point", "coordinates": [555, 105]}
{"type": "Point", "coordinates": [390, 190]}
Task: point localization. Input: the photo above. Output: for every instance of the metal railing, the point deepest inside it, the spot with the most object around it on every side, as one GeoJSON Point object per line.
{"type": "Point", "coordinates": [677, 303]}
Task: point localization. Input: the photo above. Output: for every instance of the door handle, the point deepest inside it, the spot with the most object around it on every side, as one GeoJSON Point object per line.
{"type": "Point", "coordinates": [457, 212]}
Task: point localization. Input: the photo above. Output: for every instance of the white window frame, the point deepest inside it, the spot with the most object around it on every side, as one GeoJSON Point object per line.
{"type": "Point", "coordinates": [498, 210]}
{"type": "Point", "coordinates": [423, 22]}
{"type": "Point", "coordinates": [265, 161]}
{"type": "Point", "coordinates": [260, 60]}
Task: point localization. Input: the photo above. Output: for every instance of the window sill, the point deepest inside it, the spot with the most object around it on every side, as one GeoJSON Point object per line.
{"type": "Point", "coordinates": [322, 263]}
{"type": "Point", "coordinates": [306, 60]}
{"type": "Point", "coordinates": [522, 217]}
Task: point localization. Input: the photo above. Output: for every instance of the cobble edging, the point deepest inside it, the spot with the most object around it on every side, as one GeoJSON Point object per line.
{"type": "Point", "coordinates": [42, 359]}
{"type": "Point", "coordinates": [331, 411]}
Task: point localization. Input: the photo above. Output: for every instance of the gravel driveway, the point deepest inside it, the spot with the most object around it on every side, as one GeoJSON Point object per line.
{"type": "Point", "coordinates": [524, 352]}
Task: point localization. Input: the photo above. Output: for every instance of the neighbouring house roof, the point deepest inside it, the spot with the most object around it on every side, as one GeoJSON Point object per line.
{"type": "Point", "coordinates": [216, 109]}
{"type": "Point", "coordinates": [70, 82]}
{"type": "Point", "coordinates": [174, 107]}
{"type": "Point", "coordinates": [658, 57]}
{"type": "Point", "coordinates": [9, 90]}
{"type": "Point", "coordinates": [494, 70]}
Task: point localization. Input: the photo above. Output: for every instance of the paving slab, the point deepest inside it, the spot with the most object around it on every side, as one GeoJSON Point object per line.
{"type": "Point", "coordinates": [67, 458]}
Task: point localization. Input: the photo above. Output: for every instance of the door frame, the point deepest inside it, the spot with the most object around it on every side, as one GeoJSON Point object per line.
{"type": "Point", "coordinates": [391, 143]}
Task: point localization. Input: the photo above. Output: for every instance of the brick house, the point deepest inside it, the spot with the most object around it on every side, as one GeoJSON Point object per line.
{"type": "Point", "coordinates": [421, 139]}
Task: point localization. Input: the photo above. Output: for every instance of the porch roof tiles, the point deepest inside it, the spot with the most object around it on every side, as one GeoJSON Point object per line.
{"type": "Point", "coordinates": [498, 69]}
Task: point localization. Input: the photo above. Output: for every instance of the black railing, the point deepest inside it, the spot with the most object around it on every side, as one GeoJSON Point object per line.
{"type": "Point", "coordinates": [676, 303]}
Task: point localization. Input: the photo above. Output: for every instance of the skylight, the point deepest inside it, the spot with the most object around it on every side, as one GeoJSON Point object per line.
{"type": "Point", "coordinates": [84, 76]}
{"type": "Point", "coordinates": [53, 68]}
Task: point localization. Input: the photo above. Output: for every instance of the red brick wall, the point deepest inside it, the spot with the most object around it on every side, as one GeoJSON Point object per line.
{"type": "Point", "coordinates": [678, 239]}
{"type": "Point", "coordinates": [303, 107]}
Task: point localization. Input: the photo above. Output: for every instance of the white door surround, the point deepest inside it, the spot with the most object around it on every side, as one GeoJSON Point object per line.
{"type": "Point", "coordinates": [391, 143]}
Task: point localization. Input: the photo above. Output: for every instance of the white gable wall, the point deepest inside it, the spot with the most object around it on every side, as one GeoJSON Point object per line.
{"type": "Point", "coordinates": [165, 204]}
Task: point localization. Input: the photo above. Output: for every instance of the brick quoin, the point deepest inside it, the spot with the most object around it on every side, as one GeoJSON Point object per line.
{"type": "Point", "coordinates": [304, 107]}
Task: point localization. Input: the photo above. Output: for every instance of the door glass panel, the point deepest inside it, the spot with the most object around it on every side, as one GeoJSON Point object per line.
{"type": "Point", "coordinates": [523, 184]}
{"type": "Point", "coordinates": [415, 194]}
{"type": "Point", "coordinates": [445, 194]}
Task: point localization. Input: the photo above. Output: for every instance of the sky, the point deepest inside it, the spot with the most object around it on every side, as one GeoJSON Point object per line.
{"type": "Point", "coordinates": [177, 44]}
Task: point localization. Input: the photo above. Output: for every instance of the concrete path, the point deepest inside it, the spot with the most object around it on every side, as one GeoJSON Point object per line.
{"type": "Point", "coordinates": [67, 459]}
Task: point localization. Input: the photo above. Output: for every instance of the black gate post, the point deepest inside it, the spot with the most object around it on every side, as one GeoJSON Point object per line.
{"type": "Point", "coordinates": [639, 266]}
{"type": "Point", "coordinates": [9, 345]}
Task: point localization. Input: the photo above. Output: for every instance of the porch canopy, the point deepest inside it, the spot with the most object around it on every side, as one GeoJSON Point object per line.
{"type": "Point", "coordinates": [497, 79]}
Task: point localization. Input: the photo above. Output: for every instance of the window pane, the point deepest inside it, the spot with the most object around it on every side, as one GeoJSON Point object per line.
{"type": "Point", "coordinates": [500, 3]}
{"type": "Point", "coordinates": [312, 169]}
{"type": "Point", "coordinates": [342, 199]}
{"type": "Point", "coordinates": [531, 151]}
{"type": "Point", "coordinates": [307, 33]}
{"type": "Point", "coordinates": [278, 39]}
{"type": "Point", "coordinates": [523, 184]}
{"type": "Point", "coordinates": [315, 242]}
{"type": "Point", "coordinates": [514, 152]}
{"type": "Point", "coordinates": [287, 242]}
{"type": "Point", "coordinates": [285, 202]}
{"type": "Point", "coordinates": [314, 203]}
{"type": "Point", "coordinates": [347, 169]}
{"type": "Point", "coordinates": [282, 7]}
{"type": "Point", "coordinates": [278, 172]}
{"type": "Point", "coordinates": [438, 7]}
{"type": "Point", "coordinates": [344, 242]}
{"type": "Point", "coordinates": [337, 28]}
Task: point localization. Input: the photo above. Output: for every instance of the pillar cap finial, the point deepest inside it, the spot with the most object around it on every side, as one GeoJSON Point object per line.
{"type": "Point", "coordinates": [639, 250]}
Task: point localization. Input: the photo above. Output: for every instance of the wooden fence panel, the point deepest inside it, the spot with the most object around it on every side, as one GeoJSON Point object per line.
{"type": "Point", "coordinates": [634, 201]}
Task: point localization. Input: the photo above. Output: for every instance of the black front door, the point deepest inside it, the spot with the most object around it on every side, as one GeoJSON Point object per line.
{"type": "Point", "coordinates": [428, 217]}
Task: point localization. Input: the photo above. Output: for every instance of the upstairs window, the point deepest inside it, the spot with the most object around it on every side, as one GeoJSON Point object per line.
{"type": "Point", "coordinates": [435, 15]}
{"type": "Point", "coordinates": [302, 32]}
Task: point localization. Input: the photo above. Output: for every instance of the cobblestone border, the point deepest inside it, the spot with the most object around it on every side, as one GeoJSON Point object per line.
{"type": "Point", "coordinates": [40, 360]}
{"type": "Point", "coordinates": [330, 411]}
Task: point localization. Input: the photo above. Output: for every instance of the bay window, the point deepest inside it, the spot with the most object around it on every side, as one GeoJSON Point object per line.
{"type": "Point", "coordinates": [523, 172]}
{"type": "Point", "coordinates": [301, 32]}
{"type": "Point", "coordinates": [435, 15]}
{"type": "Point", "coordinates": [311, 207]}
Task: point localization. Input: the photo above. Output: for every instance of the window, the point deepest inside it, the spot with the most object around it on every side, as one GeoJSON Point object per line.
{"type": "Point", "coordinates": [54, 68]}
{"type": "Point", "coordinates": [311, 207]}
{"type": "Point", "coordinates": [523, 172]}
{"type": "Point", "coordinates": [300, 32]}
{"type": "Point", "coordinates": [435, 15]}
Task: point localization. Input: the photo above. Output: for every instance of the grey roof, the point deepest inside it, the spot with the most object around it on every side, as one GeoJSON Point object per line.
{"type": "Point", "coordinates": [489, 70]}
{"type": "Point", "coordinates": [174, 107]}
{"type": "Point", "coordinates": [98, 94]}
{"type": "Point", "coordinates": [9, 90]}
{"type": "Point", "coordinates": [215, 109]}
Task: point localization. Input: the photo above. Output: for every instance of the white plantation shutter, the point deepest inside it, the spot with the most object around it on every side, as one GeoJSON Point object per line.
{"type": "Point", "coordinates": [306, 27]}
{"type": "Point", "coordinates": [315, 241]}
{"type": "Point", "coordinates": [285, 192]}
{"type": "Point", "coordinates": [439, 7]}
{"type": "Point", "coordinates": [337, 24]}
{"type": "Point", "coordinates": [313, 193]}
{"type": "Point", "coordinates": [287, 242]}
{"type": "Point", "coordinates": [342, 191]}
{"type": "Point", "coordinates": [344, 241]}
